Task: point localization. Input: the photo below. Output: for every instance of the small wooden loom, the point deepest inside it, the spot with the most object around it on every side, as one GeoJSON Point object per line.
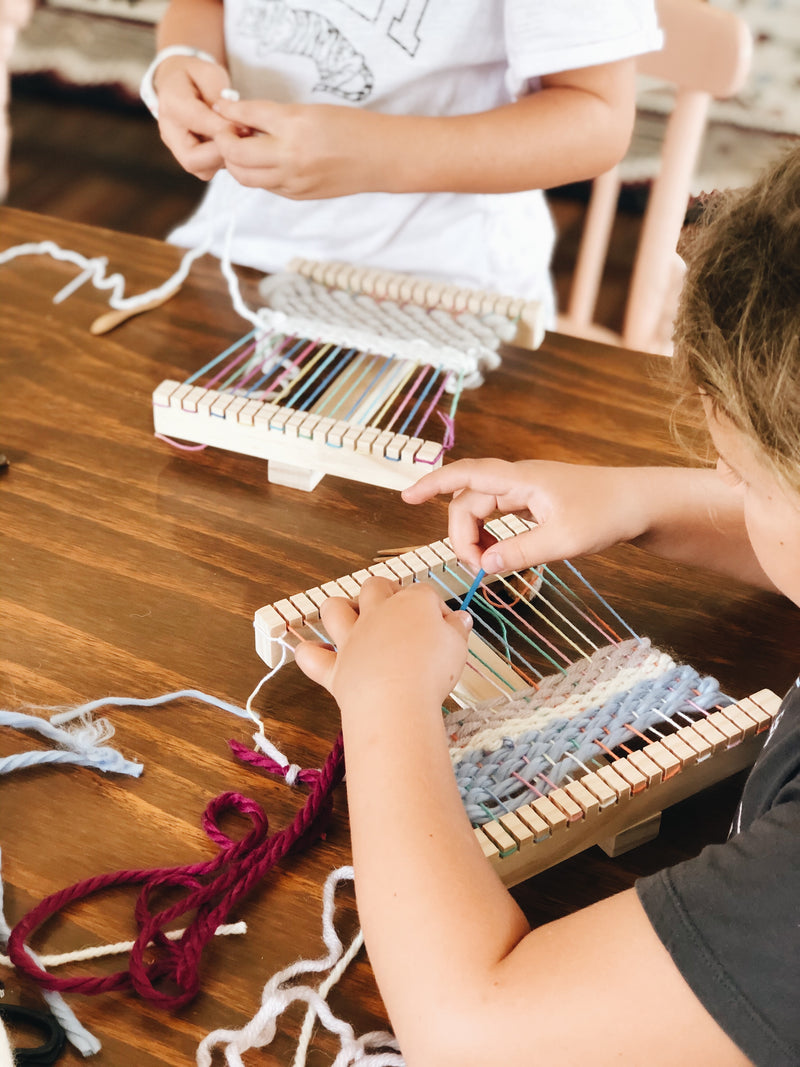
{"type": "Point", "coordinates": [346, 374]}
{"type": "Point", "coordinates": [551, 763]}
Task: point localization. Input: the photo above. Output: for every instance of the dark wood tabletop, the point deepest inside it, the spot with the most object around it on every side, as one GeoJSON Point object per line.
{"type": "Point", "coordinates": [130, 569]}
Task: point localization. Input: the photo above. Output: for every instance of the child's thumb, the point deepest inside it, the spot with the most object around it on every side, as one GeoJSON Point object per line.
{"type": "Point", "coordinates": [462, 620]}
{"type": "Point", "coordinates": [315, 661]}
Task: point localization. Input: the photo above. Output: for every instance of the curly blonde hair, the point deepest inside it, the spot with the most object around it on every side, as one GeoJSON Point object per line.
{"type": "Point", "coordinates": [737, 331]}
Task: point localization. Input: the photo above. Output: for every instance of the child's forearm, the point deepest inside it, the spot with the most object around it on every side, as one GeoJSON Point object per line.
{"type": "Point", "coordinates": [436, 918]}
{"type": "Point", "coordinates": [563, 133]}
{"type": "Point", "coordinates": [694, 517]}
{"type": "Point", "coordinates": [689, 515]}
{"type": "Point", "coordinates": [196, 23]}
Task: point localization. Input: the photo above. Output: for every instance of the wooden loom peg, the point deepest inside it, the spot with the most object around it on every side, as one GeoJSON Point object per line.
{"type": "Point", "coordinates": [402, 573]}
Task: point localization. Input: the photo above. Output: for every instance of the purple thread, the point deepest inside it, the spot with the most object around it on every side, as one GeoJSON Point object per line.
{"type": "Point", "coordinates": [214, 887]}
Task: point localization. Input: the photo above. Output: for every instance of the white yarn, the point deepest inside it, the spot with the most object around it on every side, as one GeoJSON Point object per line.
{"type": "Point", "coordinates": [485, 726]}
{"type": "Point", "coordinates": [260, 739]}
{"type": "Point", "coordinates": [276, 997]}
{"type": "Point", "coordinates": [101, 951]}
{"type": "Point", "coordinates": [94, 269]}
{"type": "Point", "coordinates": [6, 1055]}
{"type": "Point", "coordinates": [77, 1034]}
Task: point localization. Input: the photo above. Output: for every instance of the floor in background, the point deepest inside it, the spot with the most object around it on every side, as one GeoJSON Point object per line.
{"type": "Point", "coordinates": [78, 157]}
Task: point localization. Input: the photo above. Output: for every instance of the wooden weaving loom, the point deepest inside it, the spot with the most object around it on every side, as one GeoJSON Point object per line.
{"type": "Point", "coordinates": [347, 374]}
{"type": "Point", "coordinates": [551, 763]}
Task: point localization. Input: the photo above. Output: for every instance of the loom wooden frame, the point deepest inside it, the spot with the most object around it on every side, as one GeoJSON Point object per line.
{"type": "Point", "coordinates": [618, 806]}
{"type": "Point", "coordinates": [301, 447]}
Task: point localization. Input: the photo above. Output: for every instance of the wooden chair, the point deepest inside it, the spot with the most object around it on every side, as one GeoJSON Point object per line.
{"type": "Point", "coordinates": [706, 54]}
{"type": "Point", "coordinates": [14, 14]}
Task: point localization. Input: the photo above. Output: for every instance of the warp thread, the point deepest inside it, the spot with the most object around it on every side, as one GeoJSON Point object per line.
{"type": "Point", "coordinates": [213, 888]}
{"type": "Point", "coordinates": [498, 752]}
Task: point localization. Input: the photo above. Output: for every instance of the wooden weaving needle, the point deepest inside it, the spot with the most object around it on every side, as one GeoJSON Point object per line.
{"type": "Point", "coordinates": [109, 320]}
{"type": "Point", "coordinates": [389, 553]}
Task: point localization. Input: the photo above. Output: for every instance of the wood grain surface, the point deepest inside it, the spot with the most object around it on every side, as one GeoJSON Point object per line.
{"type": "Point", "coordinates": [128, 568]}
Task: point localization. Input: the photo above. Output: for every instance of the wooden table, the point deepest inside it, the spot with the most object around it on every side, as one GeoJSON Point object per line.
{"type": "Point", "coordinates": [128, 568]}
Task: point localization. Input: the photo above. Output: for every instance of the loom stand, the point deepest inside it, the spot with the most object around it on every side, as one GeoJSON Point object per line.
{"type": "Point", "coordinates": [293, 477]}
{"type": "Point", "coordinates": [637, 834]}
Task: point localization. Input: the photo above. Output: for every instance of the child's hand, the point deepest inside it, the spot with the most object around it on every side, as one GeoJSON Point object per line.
{"type": "Point", "coordinates": [579, 510]}
{"type": "Point", "coordinates": [300, 151]}
{"type": "Point", "coordinates": [187, 88]}
{"type": "Point", "coordinates": [395, 646]}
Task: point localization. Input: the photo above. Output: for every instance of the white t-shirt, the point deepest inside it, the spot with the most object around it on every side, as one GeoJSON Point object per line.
{"type": "Point", "coordinates": [427, 57]}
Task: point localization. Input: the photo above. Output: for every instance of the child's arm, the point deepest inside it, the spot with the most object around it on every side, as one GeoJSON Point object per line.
{"type": "Point", "coordinates": [187, 87]}
{"type": "Point", "coordinates": [685, 514]}
{"type": "Point", "coordinates": [578, 125]}
{"type": "Point", "coordinates": [464, 979]}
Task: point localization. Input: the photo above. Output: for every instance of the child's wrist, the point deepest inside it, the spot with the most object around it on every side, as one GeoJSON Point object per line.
{"type": "Point", "coordinates": [147, 90]}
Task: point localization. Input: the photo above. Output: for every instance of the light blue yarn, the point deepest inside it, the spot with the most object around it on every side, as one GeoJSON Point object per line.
{"type": "Point", "coordinates": [488, 781]}
{"type": "Point", "coordinates": [79, 746]}
{"type": "Point", "coordinates": [149, 702]}
{"type": "Point", "coordinates": [84, 746]}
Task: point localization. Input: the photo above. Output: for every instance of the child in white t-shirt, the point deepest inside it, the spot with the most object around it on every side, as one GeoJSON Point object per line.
{"type": "Point", "coordinates": [414, 136]}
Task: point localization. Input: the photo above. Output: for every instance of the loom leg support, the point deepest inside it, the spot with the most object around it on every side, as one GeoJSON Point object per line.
{"type": "Point", "coordinates": [293, 477]}
{"type": "Point", "coordinates": [638, 834]}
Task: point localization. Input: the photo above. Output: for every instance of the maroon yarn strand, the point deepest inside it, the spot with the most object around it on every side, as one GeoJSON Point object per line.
{"type": "Point", "coordinates": [236, 869]}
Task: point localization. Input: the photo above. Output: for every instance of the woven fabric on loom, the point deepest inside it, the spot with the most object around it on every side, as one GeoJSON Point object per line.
{"type": "Point", "coordinates": [462, 342]}
{"type": "Point", "coordinates": [505, 754]}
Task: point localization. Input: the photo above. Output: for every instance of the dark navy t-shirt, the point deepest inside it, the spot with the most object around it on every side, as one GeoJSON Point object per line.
{"type": "Point", "coordinates": [730, 917]}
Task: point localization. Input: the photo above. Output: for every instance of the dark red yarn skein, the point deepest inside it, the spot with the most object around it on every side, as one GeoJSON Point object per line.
{"type": "Point", "coordinates": [240, 866]}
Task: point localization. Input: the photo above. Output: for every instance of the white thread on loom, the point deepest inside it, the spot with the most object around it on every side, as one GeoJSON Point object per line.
{"type": "Point", "coordinates": [77, 1034]}
{"type": "Point", "coordinates": [457, 343]}
{"type": "Point", "coordinates": [97, 952]}
{"type": "Point", "coordinates": [276, 998]}
{"type": "Point", "coordinates": [260, 739]}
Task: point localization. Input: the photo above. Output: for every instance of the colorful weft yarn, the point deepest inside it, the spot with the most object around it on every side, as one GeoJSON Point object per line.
{"type": "Point", "coordinates": [506, 753]}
